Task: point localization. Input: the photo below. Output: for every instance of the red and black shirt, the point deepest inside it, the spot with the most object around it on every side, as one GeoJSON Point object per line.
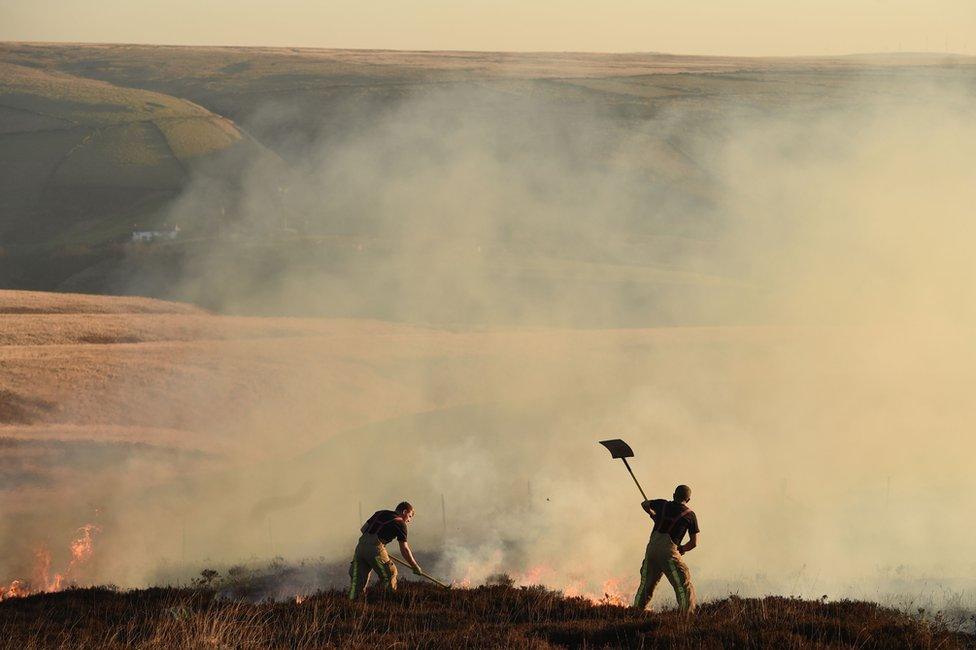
{"type": "Point", "coordinates": [386, 525]}
{"type": "Point", "coordinates": [673, 518]}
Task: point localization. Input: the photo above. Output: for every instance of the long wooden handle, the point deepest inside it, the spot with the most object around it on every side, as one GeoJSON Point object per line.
{"type": "Point", "coordinates": [421, 573]}
{"type": "Point", "coordinates": [635, 478]}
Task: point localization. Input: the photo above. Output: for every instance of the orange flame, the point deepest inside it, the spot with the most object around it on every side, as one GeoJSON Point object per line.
{"type": "Point", "coordinates": [17, 589]}
{"type": "Point", "coordinates": [573, 589]}
{"type": "Point", "coordinates": [613, 592]}
{"type": "Point", "coordinates": [82, 549]}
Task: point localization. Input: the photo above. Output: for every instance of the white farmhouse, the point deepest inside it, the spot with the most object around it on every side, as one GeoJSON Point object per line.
{"type": "Point", "coordinates": [150, 235]}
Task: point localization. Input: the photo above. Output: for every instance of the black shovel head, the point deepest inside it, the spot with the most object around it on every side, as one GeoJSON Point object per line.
{"type": "Point", "coordinates": [618, 448]}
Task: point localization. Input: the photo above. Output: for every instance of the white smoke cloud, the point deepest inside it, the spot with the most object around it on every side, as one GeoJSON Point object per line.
{"type": "Point", "coordinates": [811, 268]}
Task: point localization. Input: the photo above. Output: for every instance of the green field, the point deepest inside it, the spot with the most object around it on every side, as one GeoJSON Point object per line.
{"type": "Point", "coordinates": [76, 153]}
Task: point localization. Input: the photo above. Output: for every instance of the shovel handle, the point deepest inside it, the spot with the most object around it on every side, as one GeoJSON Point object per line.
{"type": "Point", "coordinates": [420, 573]}
{"type": "Point", "coordinates": [627, 465]}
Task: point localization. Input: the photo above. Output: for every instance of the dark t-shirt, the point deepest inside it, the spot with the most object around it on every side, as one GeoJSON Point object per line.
{"type": "Point", "coordinates": [674, 518]}
{"type": "Point", "coordinates": [386, 525]}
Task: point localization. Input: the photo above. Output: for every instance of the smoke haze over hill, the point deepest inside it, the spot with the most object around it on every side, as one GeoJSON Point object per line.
{"type": "Point", "coordinates": [772, 304]}
{"type": "Point", "coordinates": [841, 236]}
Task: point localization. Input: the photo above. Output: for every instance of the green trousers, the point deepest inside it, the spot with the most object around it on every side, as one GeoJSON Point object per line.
{"type": "Point", "coordinates": [370, 555]}
{"type": "Point", "coordinates": [662, 558]}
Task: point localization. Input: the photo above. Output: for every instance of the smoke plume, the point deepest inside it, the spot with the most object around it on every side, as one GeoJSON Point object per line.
{"type": "Point", "coordinates": [772, 305]}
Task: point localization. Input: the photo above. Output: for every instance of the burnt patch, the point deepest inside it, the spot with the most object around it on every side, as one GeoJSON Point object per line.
{"type": "Point", "coordinates": [59, 462]}
{"type": "Point", "coordinates": [104, 339]}
{"type": "Point", "coordinates": [18, 409]}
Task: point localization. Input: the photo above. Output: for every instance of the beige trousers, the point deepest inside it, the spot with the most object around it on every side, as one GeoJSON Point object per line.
{"type": "Point", "coordinates": [370, 555]}
{"type": "Point", "coordinates": [662, 558]}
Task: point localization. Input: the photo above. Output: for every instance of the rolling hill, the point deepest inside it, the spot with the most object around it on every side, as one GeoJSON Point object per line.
{"type": "Point", "coordinates": [595, 176]}
{"type": "Point", "coordinates": [461, 218]}
{"type": "Point", "coordinates": [188, 435]}
{"type": "Point", "coordinates": [84, 163]}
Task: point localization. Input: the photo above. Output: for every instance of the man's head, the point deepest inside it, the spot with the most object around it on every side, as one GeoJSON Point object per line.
{"type": "Point", "coordinates": [405, 510]}
{"type": "Point", "coordinates": [682, 494]}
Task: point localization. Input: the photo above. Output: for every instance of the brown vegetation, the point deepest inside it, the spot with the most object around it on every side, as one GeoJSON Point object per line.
{"type": "Point", "coordinates": [422, 616]}
{"type": "Point", "coordinates": [18, 409]}
{"type": "Point", "coordinates": [42, 302]}
{"type": "Point", "coordinates": [237, 65]}
{"type": "Point", "coordinates": [117, 363]}
{"type": "Point", "coordinates": [267, 409]}
{"type": "Point", "coordinates": [98, 367]}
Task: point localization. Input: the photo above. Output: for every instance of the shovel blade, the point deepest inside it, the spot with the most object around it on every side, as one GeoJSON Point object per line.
{"type": "Point", "coordinates": [618, 448]}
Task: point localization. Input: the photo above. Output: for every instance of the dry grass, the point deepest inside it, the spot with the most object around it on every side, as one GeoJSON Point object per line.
{"type": "Point", "coordinates": [89, 361]}
{"type": "Point", "coordinates": [183, 369]}
{"type": "Point", "coordinates": [83, 393]}
{"type": "Point", "coordinates": [96, 367]}
{"type": "Point", "coordinates": [42, 302]}
{"type": "Point", "coordinates": [128, 155]}
{"type": "Point", "coordinates": [235, 63]}
{"type": "Point", "coordinates": [421, 616]}
{"type": "Point", "coordinates": [189, 138]}
{"type": "Point", "coordinates": [85, 101]}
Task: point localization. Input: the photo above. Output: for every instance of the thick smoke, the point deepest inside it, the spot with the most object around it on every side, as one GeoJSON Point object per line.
{"type": "Point", "coordinates": [472, 206]}
{"type": "Point", "coordinates": [773, 306]}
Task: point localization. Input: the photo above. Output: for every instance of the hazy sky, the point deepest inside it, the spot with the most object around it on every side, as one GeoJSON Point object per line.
{"type": "Point", "coordinates": [745, 27]}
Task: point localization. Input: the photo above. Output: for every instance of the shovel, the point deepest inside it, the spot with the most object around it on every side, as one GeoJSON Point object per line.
{"type": "Point", "coordinates": [620, 449]}
{"type": "Point", "coordinates": [431, 578]}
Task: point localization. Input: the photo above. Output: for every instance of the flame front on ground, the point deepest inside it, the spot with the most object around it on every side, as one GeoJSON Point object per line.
{"type": "Point", "coordinates": [82, 550]}
{"type": "Point", "coordinates": [83, 547]}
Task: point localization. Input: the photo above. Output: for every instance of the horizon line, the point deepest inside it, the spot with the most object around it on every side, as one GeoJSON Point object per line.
{"type": "Point", "coordinates": [928, 53]}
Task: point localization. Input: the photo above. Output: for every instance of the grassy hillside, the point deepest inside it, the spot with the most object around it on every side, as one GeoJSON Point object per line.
{"type": "Point", "coordinates": [136, 371]}
{"type": "Point", "coordinates": [163, 398]}
{"type": "Point", "coordinates": [102, 138]}
{"type": "Point", "coordinates": [421, 616]}
{"type": "Point", "coordinates": [132, 408]}
{"type": "Point", "coordinates": [339, 84]}
{"type": "Point", "coordinates": [85, 162]}
{"type": "Point", "coordinates": [87, 361]}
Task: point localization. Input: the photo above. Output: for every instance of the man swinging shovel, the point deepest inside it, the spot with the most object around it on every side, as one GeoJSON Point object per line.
{"type": "Point", "coordinates": [672, 519]}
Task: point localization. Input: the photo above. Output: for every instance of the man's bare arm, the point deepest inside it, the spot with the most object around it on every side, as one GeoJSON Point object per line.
{"type": "Point", "coordinates": [646, 505]}
{"type": "Point", "coordinates": [408, 556]}
{"type": "Point", "coordinates": [692, 543]}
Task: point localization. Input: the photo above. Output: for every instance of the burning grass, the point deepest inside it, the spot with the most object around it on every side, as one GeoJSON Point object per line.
{"type": "Point", "coordinates": [420, 615]}
{"type": "Point", "coordinates": [41, 302]}
{"type": "Point", "coordinates": [43, 580]}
